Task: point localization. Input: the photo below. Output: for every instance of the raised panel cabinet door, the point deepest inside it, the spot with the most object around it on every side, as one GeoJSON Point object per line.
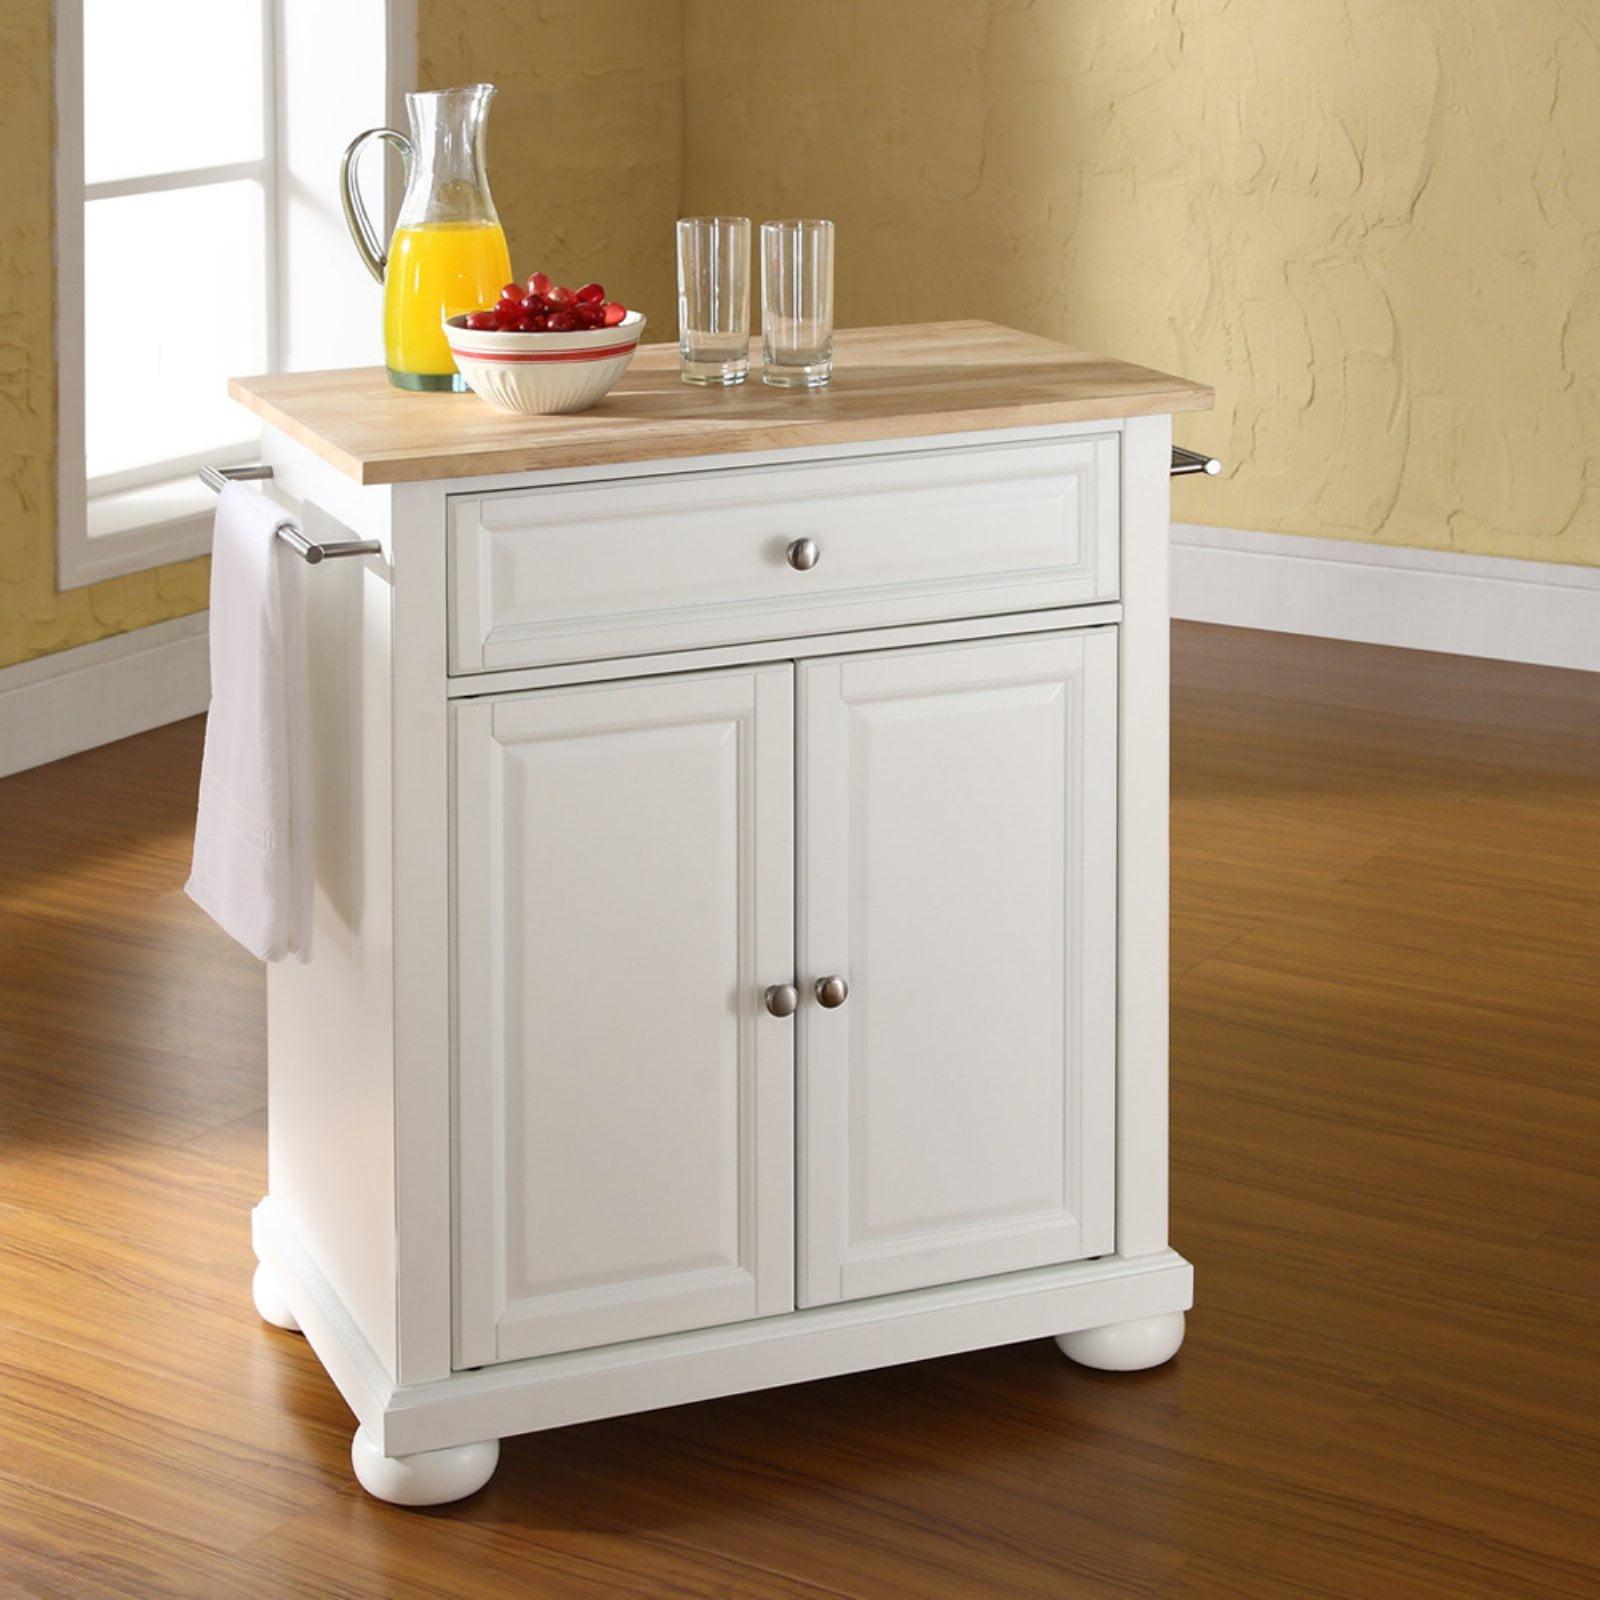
{"type": "Point", "coordinates": [624, 894]}
{"type": "Point", "coordinates": [958, 872]}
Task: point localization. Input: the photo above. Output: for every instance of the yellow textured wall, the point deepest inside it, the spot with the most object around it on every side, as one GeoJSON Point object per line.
{"type": "Point", "coordinates": [1374, 226]}
{"type": "Point", "coordinates": [34, 618]}
{"type": "Point", "coordinates": [585, 134]}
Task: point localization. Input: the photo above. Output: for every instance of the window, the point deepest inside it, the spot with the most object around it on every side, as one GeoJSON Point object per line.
{"type": "Point", "coordinates": [172, 264]}
{"type": "Point", "coordinates": [197, 141]}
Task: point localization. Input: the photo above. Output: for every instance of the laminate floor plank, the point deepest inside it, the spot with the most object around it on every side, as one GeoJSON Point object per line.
{"type": "Point", "coordinates": [1198, 934]}
{"type": "Point", "coordinates": [1232, 666]}
{"type": "Point", "coordinates": [56, 1548]}
{"type": "Point", "coordinates": [1380, 734]}
{"type": "Point", "coordinates": [915, 1492]}
{"type": "Point", "coordinates": [1565, 1259]}
{"type": "Point", "coordinates": [1231, 1067]}
{"type": "Point", "coordinates": [1521, 916]}
{"type": "Point", "coordinates": [175, 1200]}
{"type": "Point", "coordinates": [1389, 1000]}
{"type": "Point", "coordinates": [1386, 1168]}
{"type": "Point", "coordinates": [349, 1551]}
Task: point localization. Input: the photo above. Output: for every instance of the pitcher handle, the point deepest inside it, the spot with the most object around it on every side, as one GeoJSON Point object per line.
{"type": "Point", "coordinates": [366, 240]}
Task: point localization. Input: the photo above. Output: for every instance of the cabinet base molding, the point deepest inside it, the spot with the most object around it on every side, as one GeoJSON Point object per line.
{"type": "Point", "coordinates": [465, 1408]}
{"type": "Point", "coordinates": [429, 1478]}
{"type": "Point", "coordinates": [1125, 1346]}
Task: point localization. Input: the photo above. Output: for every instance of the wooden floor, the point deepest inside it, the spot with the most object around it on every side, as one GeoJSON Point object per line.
{"type": "Point", "coordinates": [1387, 1168]}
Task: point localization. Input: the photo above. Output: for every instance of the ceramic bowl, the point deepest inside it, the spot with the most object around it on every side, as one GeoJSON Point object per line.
{"type": "Point", "coordinates": [542, 374]}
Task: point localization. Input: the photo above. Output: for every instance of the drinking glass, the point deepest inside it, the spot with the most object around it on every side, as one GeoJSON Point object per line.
{"type": "Point", "coordinates": [714, 299]}
{"type": "Point", "coordinates": [797, 303]}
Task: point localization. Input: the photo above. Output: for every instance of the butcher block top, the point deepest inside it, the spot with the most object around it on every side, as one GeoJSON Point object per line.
{"type": "Point", "coordinates": [888, 383]}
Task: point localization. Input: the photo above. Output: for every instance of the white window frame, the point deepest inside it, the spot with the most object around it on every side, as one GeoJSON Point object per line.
{"type": "Point", "coordinates": [328, 73]}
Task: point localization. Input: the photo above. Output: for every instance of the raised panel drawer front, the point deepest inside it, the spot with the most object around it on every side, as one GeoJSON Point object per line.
{"type": "Point", "coordinates": [624, 862]}
{"type": "Point", "coordinates": [615, 568]}
{"type": "Point", "coordinates": [958, 870]}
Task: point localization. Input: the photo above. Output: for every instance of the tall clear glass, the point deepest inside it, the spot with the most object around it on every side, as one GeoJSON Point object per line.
{"type": "Point", "coordinates": [797, 302]}
{"type": "Point", "coordinates": [448, 253]}
{"type": "Point", "coordinates": [714, 299]}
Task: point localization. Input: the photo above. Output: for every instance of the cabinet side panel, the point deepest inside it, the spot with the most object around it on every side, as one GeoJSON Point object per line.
{"type": "Point", "coordinates": [420, 788]}
{"type": "Point", "coordinates": [1142, 863]}
{"type": "Point", "coordinates": [330, 1103]}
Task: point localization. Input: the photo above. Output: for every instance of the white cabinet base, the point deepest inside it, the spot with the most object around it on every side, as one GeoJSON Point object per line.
{"type": "Point", "coordinates": [466, 1408]}
{"type": "Point", "coordinates": [428, 1478]}
{"type": "Point", "coordinates": [1125, 1346]}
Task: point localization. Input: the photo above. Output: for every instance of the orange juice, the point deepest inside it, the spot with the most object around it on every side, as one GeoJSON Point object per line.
{"type": "Point", "coordinates": [435, 270]}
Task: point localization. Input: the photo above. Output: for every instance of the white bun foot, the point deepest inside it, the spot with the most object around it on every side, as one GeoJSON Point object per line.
{"type": "Point", "coordinates": [1125, 1346]}
{"type": "Point", "coordinates": [429, 1478]}
{"type": "Point", "coordinates": [270, 1304]}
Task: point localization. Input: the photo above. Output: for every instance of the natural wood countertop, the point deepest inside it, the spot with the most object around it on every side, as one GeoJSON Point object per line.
{"type": "Point", "coordinates": [888, 383]}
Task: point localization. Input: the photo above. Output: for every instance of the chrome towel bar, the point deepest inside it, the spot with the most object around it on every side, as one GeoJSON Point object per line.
{"type": "Point", "coordinates": [1186, 461]}
{"type": "Point", "coordinates": [308, 550]}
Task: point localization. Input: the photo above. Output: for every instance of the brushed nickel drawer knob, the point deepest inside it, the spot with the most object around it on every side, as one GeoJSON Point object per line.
{"type": "Point", "coordinates": [832, 991]}
{"type": "Point", "coordinates": [804, 554]}
{"type": "Point", "coordinates": [783, 999]}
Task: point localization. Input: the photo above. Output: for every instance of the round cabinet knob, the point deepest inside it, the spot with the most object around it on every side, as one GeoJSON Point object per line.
{"type": "Point", "coordinates": [803, 554]}
{"type": "Point", "coordinates": [832, 991]}
{"type": "Point", "coordinates": [783, 999]}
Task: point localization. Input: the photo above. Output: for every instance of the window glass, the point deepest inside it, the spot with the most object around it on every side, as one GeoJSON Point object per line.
{"type": "Point", "coordinates": [169, 85]}
{"type": "Point", "coordinates": [174, 304]}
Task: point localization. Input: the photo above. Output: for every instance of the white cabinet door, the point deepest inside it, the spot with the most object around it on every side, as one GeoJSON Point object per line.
{"type": "Point", "coordinates": [958, 870]}
{"type": "Point", "coordinates": [624, 893]}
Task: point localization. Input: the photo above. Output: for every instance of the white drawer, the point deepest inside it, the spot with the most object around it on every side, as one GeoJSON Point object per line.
{"type": "Point", "coordinates": [581, 571]}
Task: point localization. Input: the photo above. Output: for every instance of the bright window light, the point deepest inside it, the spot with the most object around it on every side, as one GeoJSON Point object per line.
{"type": "Point", "coordinates": [174, 304]}
{"type": "Point", "coordinates": [178, 290]}
{"type": "Point", "coordinates": [170, 85]}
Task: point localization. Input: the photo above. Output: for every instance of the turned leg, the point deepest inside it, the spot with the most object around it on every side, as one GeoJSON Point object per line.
{"type": "Point", "coordinates": [270, 1304]}
{"type": "Point", "coordinates": [428, 1478]}
{"type": "Point", "coordinates": [1125, 1346]}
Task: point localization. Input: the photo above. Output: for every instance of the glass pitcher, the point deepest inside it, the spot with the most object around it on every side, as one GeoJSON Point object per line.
{"type": "Point", "coordinates": [449, 251]}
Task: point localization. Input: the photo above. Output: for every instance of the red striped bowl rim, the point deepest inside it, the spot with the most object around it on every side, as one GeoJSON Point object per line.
{"type": "Point", "coordinates": [605, 353]}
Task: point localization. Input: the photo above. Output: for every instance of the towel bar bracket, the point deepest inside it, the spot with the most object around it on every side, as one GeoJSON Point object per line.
{"type": "Point", "coordinates": [1186, 461]}
{"type": "Point", "coordinates": [308, 550]}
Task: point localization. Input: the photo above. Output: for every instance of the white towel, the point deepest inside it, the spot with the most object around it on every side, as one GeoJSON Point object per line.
{"type": "Point", "coordinates": [252, 867]}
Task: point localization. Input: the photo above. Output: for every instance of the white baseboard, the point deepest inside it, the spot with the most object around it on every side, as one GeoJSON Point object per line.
{"type": "Point", "coordinates": [1378, 594]}
{"type": "Point", "coordinates": [59, 704]}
